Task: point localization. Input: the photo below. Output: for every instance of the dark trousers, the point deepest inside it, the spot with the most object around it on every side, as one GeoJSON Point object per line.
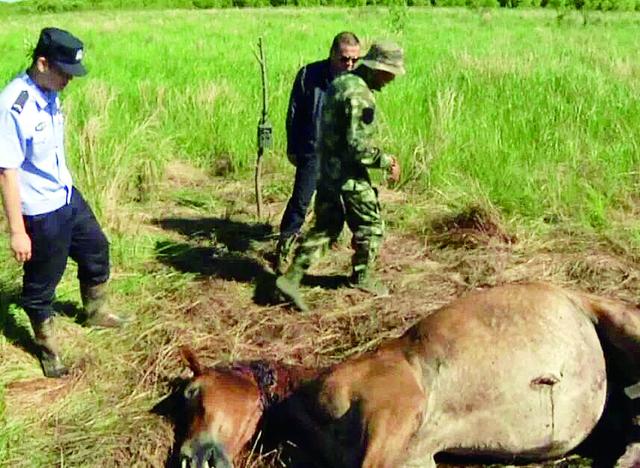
{"type": "Point", "coordinates": [70, 231]}
{"type": "Point", "coordinates": [303, 188]}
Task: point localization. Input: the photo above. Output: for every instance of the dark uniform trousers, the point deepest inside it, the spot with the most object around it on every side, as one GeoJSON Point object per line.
{"type": "Point", "coordinates": [70, 231]}
{"type": "Point", "coordinates": [303, 188]}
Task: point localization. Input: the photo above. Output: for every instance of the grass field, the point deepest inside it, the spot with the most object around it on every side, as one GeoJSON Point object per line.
{"type": "Point", "coordinates": [519, 137]}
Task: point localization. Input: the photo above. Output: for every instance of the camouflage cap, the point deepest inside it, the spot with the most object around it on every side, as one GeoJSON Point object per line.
{"type": "Point", "coordinates": [385, 55]}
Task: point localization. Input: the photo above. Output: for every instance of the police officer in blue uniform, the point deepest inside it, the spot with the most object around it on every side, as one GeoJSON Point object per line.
{"type": "Point", "coordinates": [48, 219]}
{"type": "Point", "coordinates": [303, 119]}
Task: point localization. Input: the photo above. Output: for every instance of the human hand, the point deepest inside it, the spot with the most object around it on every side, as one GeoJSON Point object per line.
{"type": "Point", "coordinates": [21, 246]}
{"type": "Point", "coordinates": [394, 170]}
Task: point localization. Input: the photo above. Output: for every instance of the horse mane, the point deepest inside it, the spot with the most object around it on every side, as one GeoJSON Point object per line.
{"type": "Point", "coordinates": [276, 380]}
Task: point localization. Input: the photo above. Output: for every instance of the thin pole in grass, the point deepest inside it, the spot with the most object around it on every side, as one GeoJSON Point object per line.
{"type": "Point", "coordinates": [265, 131]}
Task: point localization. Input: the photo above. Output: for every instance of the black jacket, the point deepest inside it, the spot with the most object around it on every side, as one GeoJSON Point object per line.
{"type": "Point", "coordinates": [305, 105]}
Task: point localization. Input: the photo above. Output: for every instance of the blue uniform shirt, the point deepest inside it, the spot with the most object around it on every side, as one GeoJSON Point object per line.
{"type": "Point", "coordinates": [32, 141]}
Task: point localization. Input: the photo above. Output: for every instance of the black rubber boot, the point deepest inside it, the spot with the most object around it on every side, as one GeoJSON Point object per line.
{"type": "Point", "coordinates": [47, 349]}
{"type": "Point", "coordinates": [364, 281]}
{"type": "Point", "coordinates": [96, 308]}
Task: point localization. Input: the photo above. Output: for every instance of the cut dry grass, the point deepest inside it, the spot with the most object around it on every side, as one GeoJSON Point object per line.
{"type": "Point", "coordinates": [202, 293]}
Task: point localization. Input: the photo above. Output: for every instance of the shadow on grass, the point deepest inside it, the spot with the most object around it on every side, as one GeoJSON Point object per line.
{"type": "Point", "coordinates": [227, 259]}
{"type": "Point", "coordinates": [265, 291]}
{"type": "Point", "coordinates": [173, 408]}
{"type": "Point", "coordinates": [208, 261]}
{"type": "Point", "coordinates": [326, 281]}
{"type": "Point", "coordinates": [69, 309]}
{"type": "Point", "coordinates": [17, 333]}
{"type": "Point", "coordinates": [234, 235]}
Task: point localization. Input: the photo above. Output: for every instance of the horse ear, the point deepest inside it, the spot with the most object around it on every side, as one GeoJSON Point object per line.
{"type": "Point", "coordinates": [191, 360]}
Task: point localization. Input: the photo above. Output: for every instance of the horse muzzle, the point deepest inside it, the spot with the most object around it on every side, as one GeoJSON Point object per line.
{"type": "Point", "coordinates": [197, 454]}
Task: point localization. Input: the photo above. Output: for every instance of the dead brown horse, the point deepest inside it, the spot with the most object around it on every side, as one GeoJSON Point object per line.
{"type": "Point", "coordinates": [512, 372]}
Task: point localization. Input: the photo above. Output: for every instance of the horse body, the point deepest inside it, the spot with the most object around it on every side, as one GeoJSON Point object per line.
{"type": "Point", "coordinates": [506, 379]}
{"type": "Point", "coordinates": [516, 371]}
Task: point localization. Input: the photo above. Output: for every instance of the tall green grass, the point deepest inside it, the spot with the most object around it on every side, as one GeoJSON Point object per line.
{"type": "Point", "coordinates": [540, 118]}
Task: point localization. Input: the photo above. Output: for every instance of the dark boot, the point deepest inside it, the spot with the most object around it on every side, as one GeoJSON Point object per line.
{"type": "Point", "coordinates": [96, 309]}
{"type": "Point", "coordinates": [283, 251]}
{"type": "Point", "coordinates": [47, 349]}
{"type": "Point", "coordinates": [363, 280]}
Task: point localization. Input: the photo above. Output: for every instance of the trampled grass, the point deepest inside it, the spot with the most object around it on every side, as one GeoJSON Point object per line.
{"type": "Point", "coordinates": [535, 120]}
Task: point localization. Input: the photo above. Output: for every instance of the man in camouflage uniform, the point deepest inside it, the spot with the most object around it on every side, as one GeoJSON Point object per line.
{"type": "Point", "coordinates": [344, 191]}
{"type": "Point", "coordinates": [303, 122]}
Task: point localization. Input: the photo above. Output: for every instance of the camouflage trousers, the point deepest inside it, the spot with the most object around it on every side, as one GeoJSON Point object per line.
{"type": "Point", "coordinates": [356, 203]}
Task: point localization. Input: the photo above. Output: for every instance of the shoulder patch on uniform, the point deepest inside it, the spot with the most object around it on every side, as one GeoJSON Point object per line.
{"type": "Point", "coordinates": [367, 114]}
{"type": "Point", "coordinates": [18, 105]}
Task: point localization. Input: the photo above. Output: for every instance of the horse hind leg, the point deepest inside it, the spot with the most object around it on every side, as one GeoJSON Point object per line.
{"type": "Point", "coordinates": [618, 326]}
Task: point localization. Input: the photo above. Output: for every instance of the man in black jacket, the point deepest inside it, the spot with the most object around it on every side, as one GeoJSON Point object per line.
{"type": "Point", "coordinates": [303, 117]}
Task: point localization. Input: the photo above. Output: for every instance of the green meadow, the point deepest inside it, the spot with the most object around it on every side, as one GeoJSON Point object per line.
{"type": "Point", "coordinates": [538, 117]}
{"type": "Point", "coordinates": [528, 115]}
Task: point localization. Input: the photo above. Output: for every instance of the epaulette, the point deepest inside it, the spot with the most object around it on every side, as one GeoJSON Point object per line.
{"type": "Point", "coordinates": [20, 102]}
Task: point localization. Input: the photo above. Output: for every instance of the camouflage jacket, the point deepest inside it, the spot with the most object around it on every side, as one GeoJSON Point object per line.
{"type": "Point", "coordinates": [347, 129]}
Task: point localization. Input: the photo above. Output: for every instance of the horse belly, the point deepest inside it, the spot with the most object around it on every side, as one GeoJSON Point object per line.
{"type": "Point", "coordinates": [534, 392]}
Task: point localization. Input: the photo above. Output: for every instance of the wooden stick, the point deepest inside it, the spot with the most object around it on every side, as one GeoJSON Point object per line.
{"type": "Point", "coordinates": [264, 128]}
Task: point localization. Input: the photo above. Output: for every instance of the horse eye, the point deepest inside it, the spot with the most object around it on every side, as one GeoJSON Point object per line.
{"type": "Point", "coordinates": [192, 391]}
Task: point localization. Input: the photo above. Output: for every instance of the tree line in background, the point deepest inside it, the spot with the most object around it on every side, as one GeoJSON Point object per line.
{"type": "Point", "coordinates": [68, 5]}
